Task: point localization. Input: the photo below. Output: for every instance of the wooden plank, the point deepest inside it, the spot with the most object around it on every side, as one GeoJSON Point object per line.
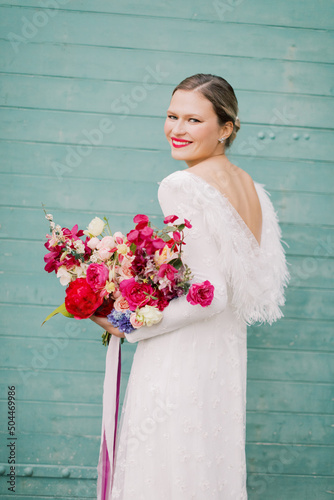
{"type": "Point", "coordinates": [312, 272]}
{"type": "Point", "coordinates": [66, 450]}
{"type": "Point", "coordinates": [137, 32]}
{"type": "Point", "coordinates": [293, 334]}
{"type": "Point", "coordinates": [147, 133]}
{"type": "Point", "coordinates": [55, 471]}
{"type": "Point", "coordinates": [121, 65]}
{"type": "Point", "coordinates": [287, 428]}
{"type": "Point", "coordinates": [306, 240]}
{"type": "Point", "coordinates": [290, 365]}
{"type": "Point", "coordinates": [311, 335]}
{"type": "Point", "coordinates": [297, 208]}
{"type": "Point", "coordinates": [309, 304]}
{"type": "Point", "coordinates": [32, 191]}
{"type": "Point", "coordinates": [65, 387]}
{"type": "Point", "coordinates": [72, 94]}
{"type": "Point", "coordinates": [59, 354]}
{"type": "Point", "coordinates": [30, 487]}
{"type": "Point", "coordinates": [148, 165]}
{"type": "Point", "coordinates": [268, 458]}
{"type": "Point", "coordinates": [288, 14]}
{"type": "Point", "coordinates": [279, 486]}
{"type": "Point", "coordinates": [42, 289]}
{"type": "Point", "coordinates": [29, 224]}
{"type": "Point", "coordinates": [269, 427]}
{"type": "Point", "coordinates": [83, 388]}
{"type": "Point", "coordinates": [53, 353]}
{"type": "Point", "coordinates": [287, 396]}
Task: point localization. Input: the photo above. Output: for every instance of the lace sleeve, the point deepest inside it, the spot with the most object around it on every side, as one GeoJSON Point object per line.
{"type": "Point", "coordinates": [200, 253]}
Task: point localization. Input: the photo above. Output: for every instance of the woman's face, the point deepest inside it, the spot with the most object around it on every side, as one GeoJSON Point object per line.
{"type": "Point", "coordinates": [192, 128]}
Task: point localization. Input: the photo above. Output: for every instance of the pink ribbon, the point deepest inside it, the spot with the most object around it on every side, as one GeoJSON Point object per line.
{"type": "Point", "coordinates": [111, 387]}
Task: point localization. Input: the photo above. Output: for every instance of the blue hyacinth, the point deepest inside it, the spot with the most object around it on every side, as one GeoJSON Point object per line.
{"type": "Point", "coordinates": [121, 320]}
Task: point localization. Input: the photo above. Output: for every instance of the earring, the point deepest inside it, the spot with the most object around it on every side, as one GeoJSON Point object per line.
{"type": "Point", "coordinates": [221, 140]}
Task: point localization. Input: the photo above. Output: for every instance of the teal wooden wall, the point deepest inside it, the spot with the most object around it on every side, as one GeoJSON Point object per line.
{"type": "Point", "coordinates": [103, 71]}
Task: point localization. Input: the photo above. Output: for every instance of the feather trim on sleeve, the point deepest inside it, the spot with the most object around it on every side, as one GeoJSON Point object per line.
{"type": "Point", "coordinates": [256, 275]}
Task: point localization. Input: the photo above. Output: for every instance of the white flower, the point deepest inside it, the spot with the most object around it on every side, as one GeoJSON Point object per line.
{"type": "Point", "coordinates": [79, 246]}
{"type": "Point", "coordinates": [149, 315]}
{"type": "Point", "coordinates": [95, 227]}
{"type": "Point", "coordinates": [94, 257]}
{"type": "Point", "coordinates": [49, 217]}
{"type": "Point", "coordinates": [64, 275]}
{"type": "Point", "coordinates": [122, 248]}
{"type": "Point", "coordinates": [80, 271]}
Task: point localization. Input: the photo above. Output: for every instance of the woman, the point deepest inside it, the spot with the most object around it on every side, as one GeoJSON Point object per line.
{"type": "Point", "coordinates": [182, 432]}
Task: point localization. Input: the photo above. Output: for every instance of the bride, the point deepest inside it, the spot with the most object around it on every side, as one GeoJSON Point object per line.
{"type": "Point", "coordinates": [182, 429]}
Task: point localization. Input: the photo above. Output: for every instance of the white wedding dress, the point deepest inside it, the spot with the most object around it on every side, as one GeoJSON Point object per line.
{"type": "Point", "coordinates": [182, 429]}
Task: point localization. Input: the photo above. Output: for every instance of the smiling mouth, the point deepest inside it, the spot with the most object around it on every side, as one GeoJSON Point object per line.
{"type": "Point", "coordinates": [178, 143]}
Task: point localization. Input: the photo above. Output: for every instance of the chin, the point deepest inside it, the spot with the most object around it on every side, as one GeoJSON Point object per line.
{"type": "Point", "coordinates": [180, 155]}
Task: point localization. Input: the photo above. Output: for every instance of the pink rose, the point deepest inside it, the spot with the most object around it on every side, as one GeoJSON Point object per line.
{"type": "Point", "coordinates": [93, 242]}
{"type": "Point", "coordinates": [201, 293]}
{"type": "Point", "coordinates": [170, 219]}
{"type": "Point", "coordinates": [126, 269]}
{"type": "Point", "coordinates": [134, 321]}
{"type": "Point", "coordinates": [121, 304]}
{"type": "Point", "coordinates": [97, 275]}
{"type": "Point", "coordinates": [105, 247]}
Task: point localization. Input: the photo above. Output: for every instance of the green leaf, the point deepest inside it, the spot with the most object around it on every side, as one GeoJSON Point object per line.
{"type": "Point", "coordinates": [133, 247]}
{"type": "Point", "coordinates": [165, 237]}
{"type": "Point", "coordinates": [177, 263]}
{"type": "Point", "coordinates": [170, 229]}
{"type": "Point", "coordinates": [60, 309]}
{"type": "Point", "coordinates": [181, 227]}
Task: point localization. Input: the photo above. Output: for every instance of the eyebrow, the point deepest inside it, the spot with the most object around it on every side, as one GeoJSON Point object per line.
{"type": "Point", "coordinates": [169, 111]}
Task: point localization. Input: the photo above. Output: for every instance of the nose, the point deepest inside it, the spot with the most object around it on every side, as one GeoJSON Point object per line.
{"type": "Point", "coordinates": [179, 127]}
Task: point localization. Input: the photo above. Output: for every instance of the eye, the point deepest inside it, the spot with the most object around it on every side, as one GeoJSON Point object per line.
{"type": "Point", "coordinates": [194, 120]}
{"type": "Point", "coordinates": [172, 117]}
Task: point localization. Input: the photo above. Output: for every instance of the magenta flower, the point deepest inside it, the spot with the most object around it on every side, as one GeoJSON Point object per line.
{"type": "Point", "coordinates": [137, 294]}
{"type": "Point", "coordinates": [201, 293]}
{"type": "Point", "coordinates": [168, 271]}
{"type": "Point", "coordinates": [170, 219]}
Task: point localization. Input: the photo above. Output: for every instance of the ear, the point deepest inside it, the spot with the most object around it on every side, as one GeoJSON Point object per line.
{"type": "Point", "coordinates": [226, 130]}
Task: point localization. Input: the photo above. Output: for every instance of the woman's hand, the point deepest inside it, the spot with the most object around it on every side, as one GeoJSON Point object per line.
{"type": "Point", "coordinates": [106, 325]}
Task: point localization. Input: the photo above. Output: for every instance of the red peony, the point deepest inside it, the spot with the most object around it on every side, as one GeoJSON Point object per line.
{"type": "Point", "coordinates": [81, 300]}
{"type": "Point", "coordinates": [106, 307]}
{"type": "Point", "coordinates": [137, 294]}
{"type": "Point", "coordinates": [201, 293]}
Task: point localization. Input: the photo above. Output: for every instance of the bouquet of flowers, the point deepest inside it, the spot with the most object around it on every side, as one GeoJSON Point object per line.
{"type": "Point", "coordinates": [128, 279]}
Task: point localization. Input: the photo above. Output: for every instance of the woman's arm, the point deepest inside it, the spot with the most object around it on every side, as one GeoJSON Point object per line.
{"type": "Point", "coordinates": [201, 254]}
